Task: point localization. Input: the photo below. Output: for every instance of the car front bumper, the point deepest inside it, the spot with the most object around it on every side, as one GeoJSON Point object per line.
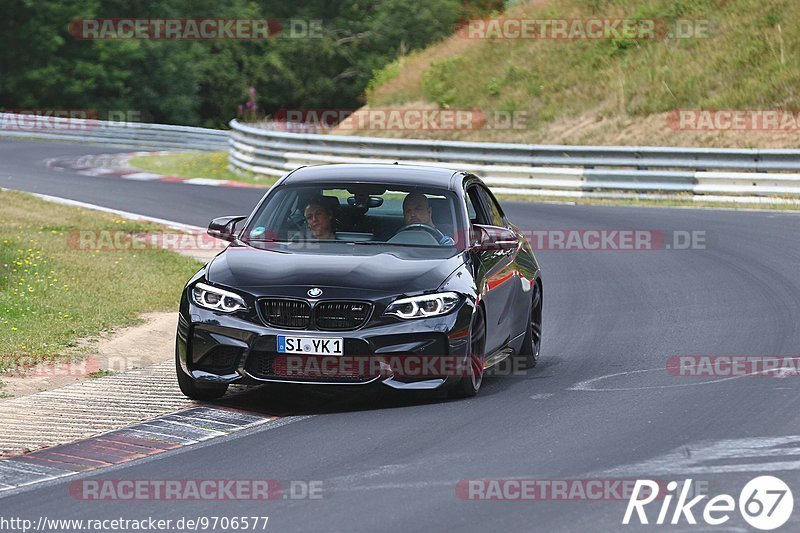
{"type": "Point", "coordinates": [427, 353]}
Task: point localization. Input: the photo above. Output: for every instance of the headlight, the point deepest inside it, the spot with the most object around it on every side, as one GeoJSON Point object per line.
{"type": "Point", "coordinates": [423, 306]}
{"type": "Point", "coordinates": [217, 299]}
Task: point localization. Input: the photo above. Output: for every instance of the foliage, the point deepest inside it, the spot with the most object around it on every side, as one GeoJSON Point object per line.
{"type": "Point", "coordinates": [203, 82]}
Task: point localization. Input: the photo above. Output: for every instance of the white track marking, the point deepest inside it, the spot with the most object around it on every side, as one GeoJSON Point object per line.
{"type": "Point", "coordinates": [587, 385]}
{"type": "Point", "coordinates": [777, 454]}
{"type": "Point", "coordinates": [143, 176]}
{"type": "Point", "coordinates": [97, 171]}
{"type": "Point", "coordinates": [199, 181]}
{"type": "Point", "coordinates": [124, 214]}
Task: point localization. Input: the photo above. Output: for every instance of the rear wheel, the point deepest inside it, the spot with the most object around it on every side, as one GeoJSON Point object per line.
{"type": "Point", "coordinates": [198, 391]}
{"type": "Point", "coordinates": [470, 384]}
{"type": "Point", "coordinates": [532, 344]}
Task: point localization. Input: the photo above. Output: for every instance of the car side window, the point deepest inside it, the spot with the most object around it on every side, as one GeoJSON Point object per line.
{"type": "Point", "coordinates": [493, 209]}
{"type": "Point", "coordinates": [474, 208]}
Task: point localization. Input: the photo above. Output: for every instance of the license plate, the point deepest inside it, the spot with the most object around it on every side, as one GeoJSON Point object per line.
{"type": "Point", "coordinates": [311, 345]}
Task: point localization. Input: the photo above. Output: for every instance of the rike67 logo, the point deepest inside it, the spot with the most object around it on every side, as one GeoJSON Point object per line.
{"type": "Point", "coordinates": [765, 503]}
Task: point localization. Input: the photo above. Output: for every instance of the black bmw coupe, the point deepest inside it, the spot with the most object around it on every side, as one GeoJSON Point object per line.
{"type": "Point", "coordinates": [408, 276]}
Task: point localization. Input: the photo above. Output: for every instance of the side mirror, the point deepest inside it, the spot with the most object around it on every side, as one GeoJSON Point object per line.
{"type": "Point", "coordinates": [494, 238]}
{"type": "Point", "coordinates": [223, 227]}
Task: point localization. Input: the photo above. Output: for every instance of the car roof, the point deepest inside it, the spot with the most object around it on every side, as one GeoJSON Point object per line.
{"type": "Point", "coordinates": [373, 173]}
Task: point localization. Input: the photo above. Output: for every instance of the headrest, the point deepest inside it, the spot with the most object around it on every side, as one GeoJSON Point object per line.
{"type": "Point", "coordinates": [331, 202]}
{"type": "Point", "coordinates": [440, 211]}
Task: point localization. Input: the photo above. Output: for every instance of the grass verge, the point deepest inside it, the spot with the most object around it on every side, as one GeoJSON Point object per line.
{"type": "Point", "coordinates": [52, 293]}
{"type": "Point", "coordinates": [737, 54]}
{"type": "Point", "coordinates": [208, 165]}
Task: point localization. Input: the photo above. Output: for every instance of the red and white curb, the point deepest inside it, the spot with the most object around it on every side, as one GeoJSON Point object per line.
{"type": "Point", "coordinates": [118, 166]}
{"type": "Point", "coordinates": [89, 407]}
{"type": "Point", "coordinates": [162, 434]}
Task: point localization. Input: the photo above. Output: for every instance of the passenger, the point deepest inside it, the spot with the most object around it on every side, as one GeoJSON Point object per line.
{"type": "Point", "coordinates": [319, 217]}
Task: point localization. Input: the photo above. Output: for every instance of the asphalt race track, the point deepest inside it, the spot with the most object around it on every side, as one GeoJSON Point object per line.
{"type": "Point", "coordinates": [600, 405]}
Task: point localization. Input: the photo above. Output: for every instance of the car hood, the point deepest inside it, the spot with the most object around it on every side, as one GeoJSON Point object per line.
{"type": "Point", "coordinates": [397, 270]}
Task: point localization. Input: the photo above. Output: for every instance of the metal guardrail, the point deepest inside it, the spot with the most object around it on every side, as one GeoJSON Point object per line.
{"type": "Point", "coordinates": [542, 170]}
{"type": "Point", "coordinates": [106, 132]}
{"type": "Point", "coordinates": [576, 171]}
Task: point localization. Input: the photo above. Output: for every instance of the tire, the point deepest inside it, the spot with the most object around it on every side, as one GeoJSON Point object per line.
{"type": "Point", "coordinates": [532, 344]}
{"type": "Point", "coordinates": [468, 386]}
{"type": "Point", "coordinates": [198, 391]}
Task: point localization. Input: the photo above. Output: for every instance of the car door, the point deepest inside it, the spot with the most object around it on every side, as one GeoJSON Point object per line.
{"type": "Point", "coordinates": [494, 274]}
{"type": "Point", "coordinates": [517, 303]}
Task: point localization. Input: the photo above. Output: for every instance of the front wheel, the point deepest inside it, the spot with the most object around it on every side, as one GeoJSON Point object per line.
{"type": "Point", "coordinates": [532, 344]}
{"type": "Point", "coordinates": [470, 384]}
{"type": "Point", "coordinates": [198, 391]}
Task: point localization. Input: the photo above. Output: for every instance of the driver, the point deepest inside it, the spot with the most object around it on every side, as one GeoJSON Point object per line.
{"type": "Point", "coordinates": [417, 210]}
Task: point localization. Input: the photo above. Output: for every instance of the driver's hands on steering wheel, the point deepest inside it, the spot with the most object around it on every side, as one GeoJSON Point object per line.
{"type": "Point", "coordinates": [441, 238]}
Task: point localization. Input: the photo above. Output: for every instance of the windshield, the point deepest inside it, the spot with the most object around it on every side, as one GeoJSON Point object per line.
{"type": "Point", "coordinates": [363, 214]}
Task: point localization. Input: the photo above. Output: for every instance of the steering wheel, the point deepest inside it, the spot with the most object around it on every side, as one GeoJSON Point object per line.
{"type": "Point", "coordinates": [433, 232]}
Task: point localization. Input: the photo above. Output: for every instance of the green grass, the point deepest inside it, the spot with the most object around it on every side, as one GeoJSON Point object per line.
{"type": "Point", "coordinates": [209, 165]}
{"type": "Point", "coordinates": [749, 60]}
{"type": "Point", "coordinates": [52, 293]}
